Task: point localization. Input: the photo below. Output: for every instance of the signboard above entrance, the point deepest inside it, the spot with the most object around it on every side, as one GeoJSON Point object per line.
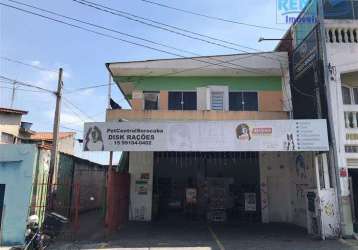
{"type": "Point", "coordinates": [207, 136]}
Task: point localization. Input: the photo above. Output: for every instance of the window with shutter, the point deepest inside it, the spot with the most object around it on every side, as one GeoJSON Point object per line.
{"type": "Point", "coordinates": [217, 100]}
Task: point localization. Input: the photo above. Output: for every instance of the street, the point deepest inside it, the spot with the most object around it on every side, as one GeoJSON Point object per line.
{"type": "Point", "coordinates": [201, 236]}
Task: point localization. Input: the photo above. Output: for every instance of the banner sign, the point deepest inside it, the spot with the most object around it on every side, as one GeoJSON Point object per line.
{"type": "Point", "coordinates": [207, 136]}
{"type": "Point", "coordinates": [305, 55]}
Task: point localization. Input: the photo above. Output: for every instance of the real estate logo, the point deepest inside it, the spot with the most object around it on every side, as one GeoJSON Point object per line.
{"type": "Point", "coordinates": [287, 12]}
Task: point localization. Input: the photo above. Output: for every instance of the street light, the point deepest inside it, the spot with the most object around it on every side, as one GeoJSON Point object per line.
{"type": "Point", "coordinates": [274, 39]}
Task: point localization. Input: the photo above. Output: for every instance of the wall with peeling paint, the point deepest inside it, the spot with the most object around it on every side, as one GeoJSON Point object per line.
{"type": "Point", "coordinates": [284, 177]}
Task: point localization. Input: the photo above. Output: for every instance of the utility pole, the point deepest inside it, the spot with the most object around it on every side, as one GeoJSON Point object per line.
{"type": "Point", "coordinates": [56, 125]}
{"type": "Point", "coordinates": [13, 95]}
{"type": "Point", "coordinates": [109, 90]}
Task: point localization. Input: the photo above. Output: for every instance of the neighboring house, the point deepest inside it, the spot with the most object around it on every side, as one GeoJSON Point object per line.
{"type": "Point", "coordinates": [240, 89]}
{"type": "Point", "coordinates": [10, 124]}
{"type": "Point", "coordinates": [323, 52]}
{"type": "Point", "coordinates": [23, 177]}
{"type": "Point", "coordinates": [14, 130]}
{"type": "Point", "coordinates": [66, 142]}
{"type": "Point", "coordinates": [80, 186]}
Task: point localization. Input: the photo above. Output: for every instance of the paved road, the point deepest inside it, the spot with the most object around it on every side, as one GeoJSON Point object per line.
{"type": "Point", "coordinates": [201, 236]}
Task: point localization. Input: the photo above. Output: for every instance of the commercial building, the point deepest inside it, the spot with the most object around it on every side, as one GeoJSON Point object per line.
{"type": "Point", "coordinates": [210, 138]}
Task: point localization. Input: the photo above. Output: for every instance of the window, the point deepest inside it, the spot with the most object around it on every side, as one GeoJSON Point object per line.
{"type": "Point", "coordinates": [355, 95]}
{"type": "Point", "coordinates": [217, 101]}
{"type": "Point", "coordinates": [351, 149]}
{"type": "Point", "coordinates": [7, 138]}
{"type": "Point", "coordinates": [236, 102]}
{"type": "Point", "coordinates": [346, 95]}
{"type": "Point", "coordinates": [182, 100]}
{"type": "Point", "coordinates": [243, 101]}
{"type": "Point", "coordinates": [342, 9]}
{"type": "Point", "coordinates": [250, 101]}
{"type": "Point", "coordinates": [151, 100]}
{"type": "Point", "coordinates": [355, 9]}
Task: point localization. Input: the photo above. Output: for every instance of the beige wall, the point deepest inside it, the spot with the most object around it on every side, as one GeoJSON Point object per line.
{"type": "Point", "coordinates": [270, 101]}
{"type": "Point", "coordinates": [137, 104]}
{"type": "Point", "coordinates": [163, 100]}
{"type": "Point", "coordinates": [10, 123]}
{"type": "Point", "coordinates": [113, 115]}
{"type": "Point", "coordinates": [67, 145]}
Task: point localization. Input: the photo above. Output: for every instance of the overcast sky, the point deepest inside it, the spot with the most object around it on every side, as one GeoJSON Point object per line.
{"type": "Point", "coordinates": [83, 55]}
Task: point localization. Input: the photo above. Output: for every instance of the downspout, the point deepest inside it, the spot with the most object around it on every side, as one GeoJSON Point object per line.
{"type": "Point", "coordinates": [333, 156]}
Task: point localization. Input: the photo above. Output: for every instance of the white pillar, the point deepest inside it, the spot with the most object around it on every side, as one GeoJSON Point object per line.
{"type": "Point", "coordinates": [354, 117]}
{"type": "Point", "coordinates": [141, 186]}
{"type": "Point", "coordinates": [346, 119]}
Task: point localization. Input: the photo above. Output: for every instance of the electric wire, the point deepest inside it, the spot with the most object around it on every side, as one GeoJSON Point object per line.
{"type": "Point", "coordinates": [133, 17]}
{"type": "Point", "coordinates": [119, 39]}
{"type": "Point", "coordinates": [27, 84]}
{"type": "Point", "coordinates": [211, 17]}
{"type": "Point", "coordinates": [76, 130]}
{"type": "Point", "coordinates": [129, 35]}
{"type": "Point", "coordinates": [77, 108]}
{"type": "Point", "coordinates": [125, 14]}
{"type": "Point", "coordinates": [27, 64]}
{"type": "Point", "coordinates": [25, 90]}
{"type": "Point", "coordinates": [86, 88]}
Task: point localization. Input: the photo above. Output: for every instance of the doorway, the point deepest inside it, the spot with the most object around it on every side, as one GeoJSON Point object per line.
{"type": "Point", "coordinates": [353, 181]}
{"type": "Point", "coordinates": [206, 186]}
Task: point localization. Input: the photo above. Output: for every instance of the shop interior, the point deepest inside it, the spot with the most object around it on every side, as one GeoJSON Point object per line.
{"type": "Point", "coordinates": [206, 186]}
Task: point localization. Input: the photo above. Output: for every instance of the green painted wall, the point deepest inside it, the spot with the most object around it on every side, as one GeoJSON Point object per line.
{"type": "Point", "coordinates": [268, 83]}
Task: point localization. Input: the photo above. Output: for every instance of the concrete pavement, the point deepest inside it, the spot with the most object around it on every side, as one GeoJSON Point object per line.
{"type": "Point", "coordinates": [201, 236]}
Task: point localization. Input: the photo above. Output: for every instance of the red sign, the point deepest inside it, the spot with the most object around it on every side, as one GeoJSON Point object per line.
{"type": "Point", "coordinates": [343, 172]}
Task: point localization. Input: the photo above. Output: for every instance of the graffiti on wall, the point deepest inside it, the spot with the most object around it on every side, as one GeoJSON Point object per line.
{"type": "Point", "coordinates": [264, 199]}
{"type": "Point", "coordinates": [329, 213]}
{"type": "Point", "coordinates": [301, 169]}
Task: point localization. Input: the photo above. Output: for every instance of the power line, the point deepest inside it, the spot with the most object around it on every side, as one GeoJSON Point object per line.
{"type": "Point", "coordinates": [126, 14]}
{"type": "Point", "coordinates": [211, 17]}
{"type": "Point", "coordinates": [26, 64]}
{"type": "Point", "coordinates": [125, 34]}
{"type": "Point", "coordinates": [76, 113]}
{"type": "Point", "coordinates": [77, 108]}
{"type": "Point", "coordinates": [86, 88]}
{"type": "Point", "coordinates": [130, 16]}
{"type": "Point", "coordinates": [27, 84]}
{"type": "Point", "coordinates": [25, 90]}
{"type": "Point", "coordinates": [116, 38]}
{"type": "Point", "coordinates": [80, 131]}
